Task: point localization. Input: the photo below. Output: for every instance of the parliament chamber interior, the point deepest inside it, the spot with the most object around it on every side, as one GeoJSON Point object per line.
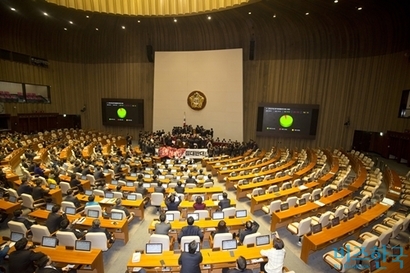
{"type": "Point", "coordinates": [204, 136]}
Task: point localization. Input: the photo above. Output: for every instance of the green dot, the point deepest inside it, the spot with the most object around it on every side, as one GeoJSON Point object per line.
{"type": "Point", "coordinates": [286, 121]}
{"type": "Point", "coordinates": [121, 112]}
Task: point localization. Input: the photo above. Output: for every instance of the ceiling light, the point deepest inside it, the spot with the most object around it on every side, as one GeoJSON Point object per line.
{"type": "Point", "coordinates": [209, 17]}
{"type": "Point", "coordinates": [138, 21]}
{"type": "Point", "coordinates": [96, 28]}
{"type": "Point", "coordinates": [336, 1]}
{"type": "Point", "coordinates": [359, 8]}
{"type": "Point", "coordinates": [307, 13]}
{"type": "Point", "coordinates": [274, 16]}
{"type": "Point", "coordinates": [65, 28]}
{"type": "Point", "coordinates": [250, 12]}
{"type": "Point", "coordinates": [45, 13]}
{"type": "Point", "coordinates": [13, 9]}
{"type": "Point", "coordinates": [175, 20]}
{"type": "Point", "coordinates": [87, 16]}
{"type": "Point", "coordinates": [123, 27]}
{"type": "Point", "coordinates": [71, 22]}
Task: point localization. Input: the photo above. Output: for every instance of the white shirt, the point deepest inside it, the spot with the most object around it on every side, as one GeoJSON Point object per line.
{"type": "Point", "coordinates": [275, 260]}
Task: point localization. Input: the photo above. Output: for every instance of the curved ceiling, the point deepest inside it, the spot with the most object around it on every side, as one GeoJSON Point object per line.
{"type": "Point", "coordinates": [151, 7]}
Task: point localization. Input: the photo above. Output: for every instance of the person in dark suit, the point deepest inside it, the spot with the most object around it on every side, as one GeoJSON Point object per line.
{"type": "Point", "coordinates": [119, 206]}
{"type": "Point", "coordinates": [75, 183]}
{"type": "Point", "coordinates": [24, 187]}
{"type": "Point", "coordinates": [38, 170]}
{"type": "Point", "coordinates": [72, 198]}
{"type": "Point", "coordinates": [250, 228]}
{"type": "Point", "coordinates": [159, 188]}
{"type": "Point", "coordinates": [65, 226]}
{"type": "Point", "coordinates": [190, 230]}
{"type": "Point", "coordinates": [18, 218]}
{"type": "Point", "coordinates": [240, 267]}
{"type": "Point", "coordinates": [23, 259]}
{"type": "Point", "coordinates": [221, 228]}
{"type": "Point", "coordinates": [191, 180]}
{"type": "Point", "coordinates": [140, 189]}
{"type": "Point", "coordinates": [96, 228]}
{"type": "Point", "coordinates": [45, 265]}
{"type": "Point", "coordinates": [38, 192]}
{"type": "Point", "coordinates": [189, 261]}
{"type": "Point", "coordinates": [171, 203]}
{"type": "Point", "coordinates": [225, 202]}
{"type": "Point", "coordinates": [179, 188]}
{"type": "Point", "coordinates": [54, 219]}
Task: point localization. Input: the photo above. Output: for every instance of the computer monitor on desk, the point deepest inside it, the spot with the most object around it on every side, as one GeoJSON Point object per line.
{"type": "Point", "coordinates": [132, 197]}
{"type": "Point", "coordinates": [262, 240]}
{"type": "Point", "coordinates": [129, 184]}
{"type": "Point", "coordinates": [374, 265]}
{"type": "Point", "coordinates": [284, 206]}
{"type": "Point", "coordinates": [242, 213]}
{"type": "Point", "coordinates": [12, 199]}
{"type": "Point", "coordinates": [15, 236]}
{"type": "Point", "coordinates": [88, 192]}
{"type": "Point", "coordinates": [49, 206]}
{"type": "Point", "coordinates": [49, 241]}
{"type": "Point", "coordinates": [302, 201]}
{"type": "Point", "coordinates": [229, 244]}
{"type": "Point", "coordinates": [335, 221]}
{"type": "Point", "coordinates": [82, 245]}
{"type": "Point", "coordinates": [316, 228]}
{"type": "Point", "coordinates": [153, 248]}
{"type": "Point", "coordinates": [109, 194]}
{"type": "Point", "coordinates": [193, 215]}
{"type": "Point", "coordinates": [117, 216]}
{"type": "Point", "coordinates": [169, 217]}
{"type": "Point", "coordinates": [70, 210]}
{"type": "Point", "coordinates": [93, 213]}
{"type": "Point", "coordinates": [218, 215]}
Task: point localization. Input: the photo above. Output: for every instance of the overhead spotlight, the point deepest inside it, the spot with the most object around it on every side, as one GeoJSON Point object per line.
{"type": "Point", "coordinates": [71, 22]}
{"type": "Point", "coordinates": [13, 9]}
{"type": "Point", "coordinates": [45, 13]}
{"type": "Point", "coordinates": [138, 21]}
{"type": "Point", "coordinates": [96, 28]}
{"type": "Point", "coordinates": [209, 17]}
{"type": "Point", "coordinates": [336, 1]}
{"type": "Point", "coordinates": [87, 16]}
{"type": "Point", "coordinates": [123, 27]}
{"type": "Point", "coordinates": [65, 29]}
{"type": "Point", "coordinates": [250, 12]}
{"type": "Point", "coordinates": [274, 16]}
{"type": "Point", "coordinates": [175, 20]}
{"type": "Point", "coordinates": [307, 13]}
{"type": "Point", "coordinates": [359, 8]}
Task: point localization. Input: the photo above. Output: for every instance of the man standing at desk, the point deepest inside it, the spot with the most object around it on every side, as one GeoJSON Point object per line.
{"type": "Point", "coordinates": [190, 230]}
{"type": "Point", "coordinates": [190, 261]}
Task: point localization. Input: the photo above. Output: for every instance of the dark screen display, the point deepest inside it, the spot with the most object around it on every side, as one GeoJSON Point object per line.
{"type": "Point", "coordinates": [123, 112]}
{"type": "Point", "coordinates": [287, 120]}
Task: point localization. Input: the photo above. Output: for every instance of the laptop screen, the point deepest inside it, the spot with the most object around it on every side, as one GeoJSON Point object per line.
{"type": "Point", "coordinates": [82, 245]}
{"type": "Point", "coordinates": [116, 215]}
{"type": "Point", "coordinates": [146, 185]}
{"type": "Point", "coordinates": [52, 186]}
{"type": "Point", "coordinates": [70, 210]}
{"type": "Point", "coordinates": [114, 182]}
{"type": "Point", "coordinates": [241, 213]}
{"type": "Point", "coordinates": [302, 201]}
{"type": "Point", "coordinates": [49, 206]}
{"type": "Point", "coordinates": [109, 195]}
{"type": "Point", "coordinates": [194, 215]}
{"type": "Point", "coordinates": [229, 244]}
{"type": "Point", "coordinates": [335, 221]}
{"type": "Point", "coordinates": [88, 192]}
{"type": "Point", "coordinates": [350, 215]}
{"type": "Point", "coordinates": [186, 247]}
{"type": "Point", "coordinates": [153, 248]}
{"type": "Point", "coordinates": [49, 241]}
{"type": "Point", "coordinates": [84, 177]}
{"type": "Point", "coordinates": [130, 184]}
{"type": "Point", "coordinates": [132, 197]}
{"type": "Point", "coordinates": [262, 240]}
{"type": "Point", "coordinates": [275, 189]}
{"type": "Point", "coordinates": [169, 217]}
{"type": "Point", "coordinates": [284, 206]}
{"type": "Point", "coordinates": [12, 199]}
{"type": "Point", "coordinates": [218, 215]}
{"type": "Point", "coordinates": [93, 213]}
{"type": "Point", "coordinates": [316, 228]}
{"type": "Point", "coordinates": [15, 236]}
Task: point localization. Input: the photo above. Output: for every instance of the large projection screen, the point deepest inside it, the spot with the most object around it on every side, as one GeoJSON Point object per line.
{"type": "Point", "coordinates": [217, 74]}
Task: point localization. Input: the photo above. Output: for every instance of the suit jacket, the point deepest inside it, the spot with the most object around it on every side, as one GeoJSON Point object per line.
{"type": "Point", "coordinates": [22, 261]}
{"type": "Point", "coordinates": [190, 262]}
{"type": "Point", "coordinates": [141, 190]}
{"type": "Point", "coordinates": [53, 221]}
{"type": "Point", "coordinates": [224, 203]}
{"type": "Point", "coordinates": [99, 229]}
{"type": "Point", "coordinates": [190, 231]}
{"type": "Point", "coordinates": [73, 199]}
{"type": "Point", "coordinates": [49, 270]}
{"type": "Point", "coordinates": [24, 188]}
{"type": "Point", "coordinates": [23, 220]}
{"type": "Point", "coordinates": [38, 193]}
{"type": "Point", "coordinates": [162, 228]}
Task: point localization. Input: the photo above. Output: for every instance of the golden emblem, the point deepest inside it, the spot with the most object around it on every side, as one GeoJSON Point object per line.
{"type": "Point", "coordinates": [196, 100]}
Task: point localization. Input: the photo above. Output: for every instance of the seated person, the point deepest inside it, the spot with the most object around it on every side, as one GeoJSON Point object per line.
{"type": "Point", "coordinates": [38, 170]}
{"type": "Point", "coordinates": [276, 257]}
{"type": "Point", "coordinates": [52, 179]}
{"type": "Point", "coordinates": [54, 219]}
{"type": "Point", "coordinates": [190, 261]}
{"type": "Point", "coordinates": [171, 202]}
{"type": "Point", "coordinates": [190, 230]}
{"type": "Point", "coordinates": [163, 227]}
{"type": "Point", "coordinates": [199, 205]}
{"type": "Point", "coordinates": [221, 228]}
{"type": "Point", "coordinates": [179, 188]}
{"type": "Point", "coordinates": [159, 188]}
{"type": "Point", "coordinates": [45, 265]}
{"type": "Point", "coordinates": [209, 178]}
{"type": "Point", "coordinates": [24, 187]}
{"type": "Point", "coordinates": [23, 259]}
{"type": "Point", "coordinates": [4, 251]}
{"type": "Point", "coordinates": [225, 202]}
{"type": "Point", "coordinates": [240, 267]}
{"type": "Point", "coordinates": [96, 228]}
{"type": "Point", "coordinates": [155, 180]}
{"type": "Point", "coordinates": [70, 197]}
{"type": "Point", "coordinates": [91, 201]}
{"type": "Point", "coordinates": [119, 206]}
{"type": "Point", "coordinates": [65, 226]}
{"type": "Point", "coordinates": [250, 228]}
{"type": "Point", "coordinates": [140, 189]}
{"type": "Point", "coordinates": [38, 192]}
{"type": "Point", "coordinates": [75, 183]}
{"type": "Point", "coordinates": [190, 180]}
{"type": "Point", "coordinates": [19, 218]}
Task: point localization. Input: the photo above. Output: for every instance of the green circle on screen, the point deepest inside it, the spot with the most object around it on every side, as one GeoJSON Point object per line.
{"type": "Point", "coordinates": [286, 121]}
{"type": "Point", "coordinates": [121, 112]}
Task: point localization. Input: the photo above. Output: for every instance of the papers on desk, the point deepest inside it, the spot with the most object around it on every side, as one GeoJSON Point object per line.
{"type": "Point", "coordinates": [303, 187]}
{"type": "Point", "coordinates": [387, 202]}
{"type": "Point", "coordinates": [136, 257]}
{"type": "Point", "coordinates": [12, 244]}
{"type": "Point", "coordinates": [254, 261]}
{"type": "Point", "coordinates": [108, 200]}
{"type": "Point", "coordinates": [320, 204]}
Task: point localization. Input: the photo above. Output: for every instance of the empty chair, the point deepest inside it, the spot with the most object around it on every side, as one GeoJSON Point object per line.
{"type": "Point", "coordinates": [19, 227]}
{"type": "Point", "coordinates": [273, 188]}
{"type": "Point", "coordinates": [255, 192]}
{"type": "Point", "coordinates": [341, 263]}
{"type": "Point", "coordinates": [99, 193]}
{"type": "Point", "coordinates": [38, 232]}
{"type": "Point", "coordinates": [190, 185]}
{"type": "Point", "coordinates": [326, 190]}
{"type": "Point", "coordinates": [98, 240]}
{"type": "Point", "coordinates": [117, 194]}
{"type": "Point", "coordinates": [297, 182]}
{"type": "Point", "coordinates": [162, 239]}
{"type": "Point", "coordinates": [64, 186]}
{"type": "Point", "coordinates": [396, 228]}
{"type": "Point", "coordinates": [157, 198]}
{"type": "Point", "coordinates": [218, 238]}
{"type": "Point", "coordinates": [208, 184]}
{"type": "Point", "coordinates": [300, 228]}
{"type": "Point", "coordinates": [340, 212]}
{"type": "Point", "coordinates": [229, 212]}
{"type": "Point", "coordinates": [306, 196]}
{"type": "Point", "coordinates": [29, 202]}
{"type": "Point", "coordinates": [382, 239]}
{"type": "Point", "coordinates": [291, 201]}
{"type": "Point", "coordinates": [285, 186]}
{"type": "Point", "coordinates": [66, 238]}
{"type": "Point", "coordinates": [315, 193]}
{"type": "Point", "coordinates": [188, 239]}
{"type": "Point", "coordinates": [13, 192]}
{"type": "Point", "coordinates": [250, 239]}
{"type": "Point", "coordinates": [366, 246]}
{"type": "Point", "coordinates": [273, 206]}
{"type": "Point", "coordinates": [323, 219]}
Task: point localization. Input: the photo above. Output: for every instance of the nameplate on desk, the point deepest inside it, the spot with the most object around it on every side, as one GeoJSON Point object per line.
{"type": "Point", "coordinates": [320, 204]}
{"type": "Point", "coordinates": [387, 202]}
{"type": "Point", "coordinates": [303, 187]}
